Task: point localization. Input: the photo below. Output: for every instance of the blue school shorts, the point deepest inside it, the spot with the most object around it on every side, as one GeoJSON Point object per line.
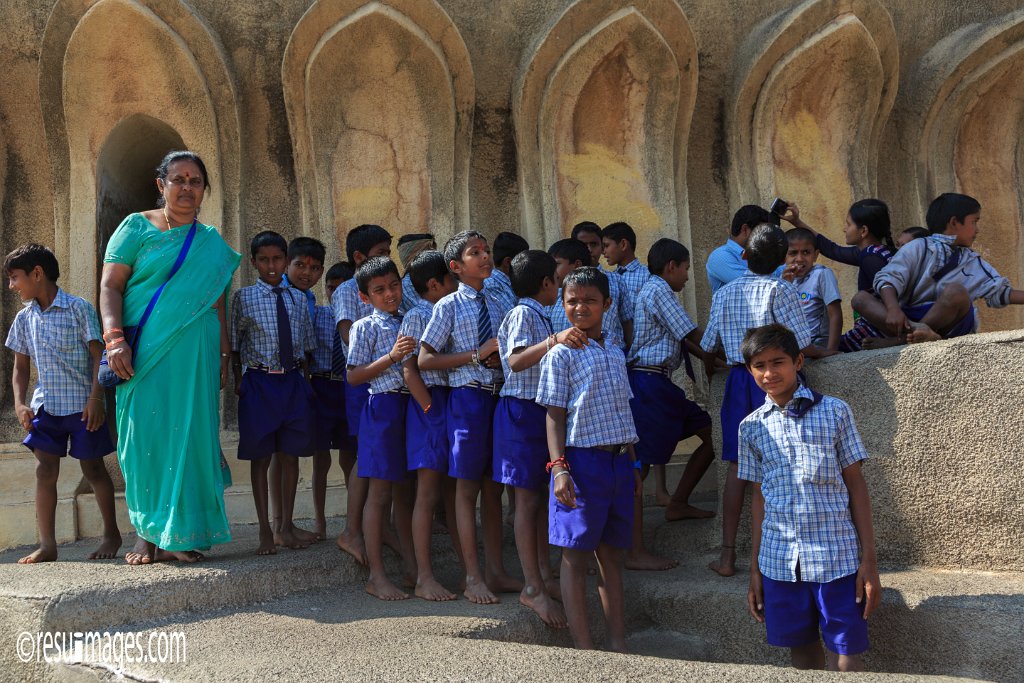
{"type": "Point", "coordinates": [51, 434]}
{"type": "Point", "coordinates": [470, 425]}
{"type": "Point", "coordinates": [275, 415]}
{"type": "Point", "coordinates": [356, 396]}
{"type": "Point", "coordinates": [329, 410]}
{"type": "Point", "coordinates": [382, 438]}
{"type": "Point", "coordinates": [520, 444]}
{"type": "Point", "coordinates": [966, 325]}
{"type": "Point", "coordinates": [426, 434]}
{"type": "Point", "coordinates": [663, 416]}
{"type": "Point", "coordinates": [742, 397]}
{"type": "Point", "coordinates": [794, 612]}
{"type": "Point", "coordinates": [604, 502]}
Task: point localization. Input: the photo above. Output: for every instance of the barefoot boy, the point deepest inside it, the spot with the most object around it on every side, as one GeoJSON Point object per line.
{"type": "Point", "coordinates": [61, 335]}
{"type": "Point", "coordinates": [590, 436]}
{"type": "Point", "coordinates": [813, 559]}
{"type": "Point", "coordinates": [271, 333]}
{"type": "Point", "coordinates": [375, 356]}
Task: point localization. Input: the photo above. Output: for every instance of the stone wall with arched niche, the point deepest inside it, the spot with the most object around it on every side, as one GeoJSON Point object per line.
{"type": "Point", "coordinates": [809, 133]}
{"type": "Point", "coordinates": [381, 134]}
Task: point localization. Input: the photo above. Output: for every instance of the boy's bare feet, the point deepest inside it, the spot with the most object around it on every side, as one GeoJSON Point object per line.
{"type": "Point", "coordinates": [381, 587]}
{"type": "Point", "coordinates": [554, 588]}
{"type": "Point", "coordinates": [922, 333]}
{"type": "Point", "coordinates": [289, 539]}
{"type": "Point", "coordinates": [354, 545]}
{"type": "Point", "coordinates": [267, 544]}
{"type": "Point", "coordinates": [320, 529]}
{"type": "Point", "coordinates": [430, 589]}
{"type": "Point", "coordinates": [546, 608]}
{"type": "Point", "coordinates": [677, 511]}
{"type": "Point", "coordinates": [108, 548]}
{"type": "Point", "coordinates": [307, 537]}
{"type": "Point", "coordinates": [645, 561]}
{"type": "Point", "coordinates": [725, 565]}
{"type": "Point", "coordinates": [662, 498]}
{"type": "Point", "coordinates": [872, 343]}
{"type": "Point", "coordinates": [502, 583]}
{"type": "Point", "coordinates": [45, 553]}
{"type": "Point", "coordinates": [478, 592]}
{"type": "Point", "coordinates": [143, 552]}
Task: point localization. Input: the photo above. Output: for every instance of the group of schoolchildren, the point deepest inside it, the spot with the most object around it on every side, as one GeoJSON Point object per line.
{"type": "Point", "coordinates": [473, 371]}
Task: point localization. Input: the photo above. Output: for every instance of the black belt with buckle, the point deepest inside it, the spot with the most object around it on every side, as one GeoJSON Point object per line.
{"type": "Point", "coordinates": [653, 369]}
{"type": "Point", "coordinates": [271, 371]}
{"type": "Point", "coordinates": [400, 390]}
{"type": "Point", "coordinates": [492, 389]}
{"type": "Point", "coordinates": [328, 375]}
{"type": "Point", "coordinates": [614, 450]}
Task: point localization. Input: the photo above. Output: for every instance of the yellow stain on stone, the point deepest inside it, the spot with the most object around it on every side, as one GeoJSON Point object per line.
{"type": "Point", "coordinates": [368, 204]}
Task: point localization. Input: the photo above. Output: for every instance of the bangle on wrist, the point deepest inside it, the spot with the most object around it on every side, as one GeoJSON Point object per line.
{"type": "Point", "coordinates": [390, 358]}
{"type": "Point", "coordinates": [113, 343]}
{"type": "Point", "coordinates": [427, 408]}
{"type": "Point", "coordinates": [96, 398]}
{"type": "Point", "coordinates": [563, 473]}
{"type": "Point", "coordinates": [112, 330]}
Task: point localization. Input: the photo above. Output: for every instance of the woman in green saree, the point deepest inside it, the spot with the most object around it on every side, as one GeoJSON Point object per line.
{"type": "Point", "coordinates": [168, 410]}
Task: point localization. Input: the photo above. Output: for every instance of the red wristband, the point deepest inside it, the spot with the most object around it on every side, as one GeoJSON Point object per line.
{"type": "Point", "coordinates": [558, 462]}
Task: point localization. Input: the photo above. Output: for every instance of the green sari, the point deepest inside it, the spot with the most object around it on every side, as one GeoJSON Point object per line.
{"type": "Point", "coordinates": [168, 414]}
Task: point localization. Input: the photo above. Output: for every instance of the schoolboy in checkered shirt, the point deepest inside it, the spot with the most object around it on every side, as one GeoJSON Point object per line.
{"type": "Point", "coordinates": [813, 559]}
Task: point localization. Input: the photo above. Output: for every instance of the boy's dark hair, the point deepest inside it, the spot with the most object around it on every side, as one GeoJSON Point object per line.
{"type": "Point", "coordinates": [180, 155]}
{"type": "Point", "coordinates": [529, 268]}
{"type": "Point", "coordinates": [342, 270]}
{"type": "Point", "coordinates": [619, 231]}
{"type": "Point", "coordinates": [429, 265]}
{"type": "Point", "coordinates": [664, 252]}
{"type": "Point", "coordinates": [774, 336]}
{"type": "Point", "coordinates": [751, 215]}
{"type": "Point", "coordinates": [587, 276]}
{"type": "Point", "coordinates": [267, 238]}
{"type": "Point", "coordinates": [454, 247]}
{"type": "Point", "coordinates": [363, 238]}
{"type": "Point", "coordinates": [800, 235]}
{"type": "Point", "coordinates": [307, 246]}
{"type": "Point", "coordinates": [28, 256]}
{"type": "Point", "coordinates": [947, 206]}
{"type": "Point", "coordinates": [507, 245]}
{"type": "Point", "coordinates": [378, 266]}
{"type": "Point", "coordinates": [572, 250]}
{"type": "Point", "coordinates": [766, 249]}
{"type": "Point", "coordinates": [915, 231]}
{"type": "Point", "coordinates": [585, 226]}
{"type": "Point", "coordinates": [873, 214]}
{"type": "Point", "coordinates": [415, 237]}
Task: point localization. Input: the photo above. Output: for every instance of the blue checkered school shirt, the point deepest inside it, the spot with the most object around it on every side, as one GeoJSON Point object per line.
{"type": "Point", "coordinates": [413, 324]}
{"type": "Point", "coordinates": [591, 384]}
{"type": "Point", "coordinates": [254, 325]}
{"type": "Point", "coordinates": [611, 321]}
{"type": "Point", "coordinates": [410, 297]}
{"type": "Point", "coordinates": [525, 325]}
{"type": "Point", "coordinates": [323, 327]}
{"type": "Point", "coordinates": [748, 302]}
{"type": "Point", "coordinates": [799, 463]}
{"type": "Point", "coordinates": [453, 329]}
{"type": "Point", "coordinates": [347, 305]}
{"type": "Point", "coordinates": [634, 276]}
{"type": "Point", "coordinates": [57, 341]}
{"type": "Point", "coordinates": [659, 327]}
{"type": "Point", "coordinates": [372, 337]}
{"type": "Point", "coordinates": [500, 285]}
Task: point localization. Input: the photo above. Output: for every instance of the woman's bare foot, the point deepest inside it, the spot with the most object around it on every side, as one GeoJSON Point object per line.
{"type": "Point", "coordinates": [267, 544]}
{"type": "Point", "coordinates": [922, 333]}
{"type": "Point", "coordinates": [381, 587]}
{"type": "Point", "coordinates": [430, 589]}
{"type": "Point", "coordinates": [143, 552]}
{"type": "Point", "coordinates": [478, 592]}
{"type": "Point", "coordinates": [288, 539]}
{"type": "Point", "coordinates": [872, 343]}
{"type": "Point", "coordinates": [546, 608]}
{"type": "Point", "coordinates": [725, 565]}
{"type": "Point", "coordinates": [187, 556]}
{"type": "Point", "coordinates": [502, 583]}
{"type": "Point", "coordinates": [646, 561]}
{"type": "Point", "coordinates": [662, 498]}
{"type": "Point", "coordinates": [354, 545]}
{"type": "Point", "coordinates": [554, 588]}
{"type": "Point", "coordinates": [677, 511]}
{"type": "Point", "coordinates": [303, 536]}
{"type": "Point", "coordinates": [108, 548]}
{"type": "Point", "coordinates": [44, 553]}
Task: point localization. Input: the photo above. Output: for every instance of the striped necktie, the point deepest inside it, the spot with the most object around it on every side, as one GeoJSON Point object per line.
{"type": "Point", "coordinates": [483, 324]}
{"type": "Point", "coordinates": [284, 333]}
{"type": "Point", "coordinates": [337, 355]}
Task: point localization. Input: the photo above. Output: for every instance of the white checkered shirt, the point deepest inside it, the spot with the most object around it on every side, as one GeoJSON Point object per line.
{"type": "Point", "coordinates": [372, 337]}
{"type": "Point", "coordinates": [347, 305]}
{"type": "Point", "coordinates": [410, 297]}
{"type": "Point", "coordinates": [413, 324]}
{"type": "Point", "coordinates": [634, 277]}
{"type": "Point", "coordinates": [525, 325]}
{"type": "Point", "coordinates": [57, 341]}
{"type": "Point", "coordinates": [453, 329]}
{"type": "Point", "coordinates": [799, 462]}
{"type": "Point", "coordinates": [500, 285]}
{"type": "Point", "coordinates": [660, 325]}
{"type": "Point", "coordinates": [324, 328]}
{"type": "Point", "coordinates": [591, 384]}
{"type": "Point", "coordinates": [748, 302]}
{"type": "Point", "coordinates": [254, 325]}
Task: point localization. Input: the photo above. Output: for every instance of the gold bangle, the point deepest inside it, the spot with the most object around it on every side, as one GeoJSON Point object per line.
{"type": "Point", "coordinates": [93, 398]}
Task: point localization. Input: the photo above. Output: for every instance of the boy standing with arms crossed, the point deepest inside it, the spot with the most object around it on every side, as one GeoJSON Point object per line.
{"type": "Point", "coordinates": [813, 556]}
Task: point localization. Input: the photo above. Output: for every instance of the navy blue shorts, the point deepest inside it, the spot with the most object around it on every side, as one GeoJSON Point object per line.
{"type": "Point", "coordinates": [426, 434]}
{"type": "Point", "coordinates": [965, 326]}
{"type": "Point", "coordinates": [604, 502]}
{"type": "Point", "coordinates": [356, 396]}
{"type": "Point", "coordinates": [275, 415]}
{"type": "Point", "coordinates": [663, 416]}
{"type": "Point", "coordinates": [470, 422]}
{"type": "Point", "coordinates": [520, 444]}
{"type": "Point", "coordinates": [794, 612]}
{"type": "Point", "coordinates": [742, 397]}
{"type": "Point", "coordinates": [382, 438]}
{"type": "Point", "coordinates": [51, 434]}
{"type": "Point", "coordinates": [329, 409]}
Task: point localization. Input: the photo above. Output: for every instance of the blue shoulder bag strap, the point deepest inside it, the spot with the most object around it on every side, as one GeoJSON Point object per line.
{"type": "Point", "coordinates": [156, 295]}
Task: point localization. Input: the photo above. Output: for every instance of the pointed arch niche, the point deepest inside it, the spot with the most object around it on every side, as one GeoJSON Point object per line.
{"type": "Point", "coordinates": [113, 107]}
{"type": "Point", "coordinates": [970, 113]}
{"type": "Point", "coordinates": [602, 116]}
{"type": "Point", "coordinates": [381, 133]}
{"type": "Point", "coordinates": [814, 86]}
